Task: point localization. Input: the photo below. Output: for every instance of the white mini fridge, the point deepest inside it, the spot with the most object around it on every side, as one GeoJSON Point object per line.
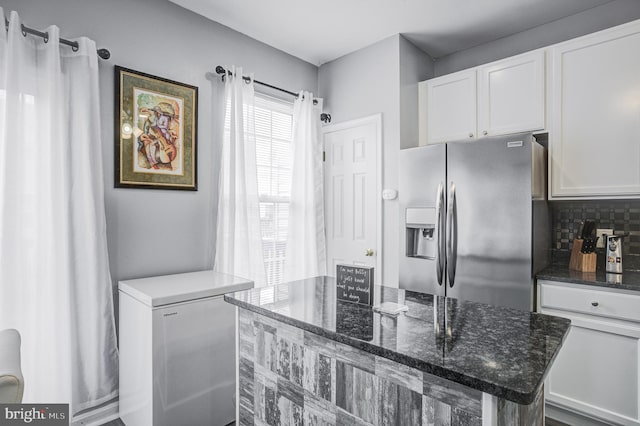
{"type": "Point", "coordinates": [177, 349]}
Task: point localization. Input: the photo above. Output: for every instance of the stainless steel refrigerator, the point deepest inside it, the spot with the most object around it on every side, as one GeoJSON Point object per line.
{"type": "Point", "coordinates": [475, 222]}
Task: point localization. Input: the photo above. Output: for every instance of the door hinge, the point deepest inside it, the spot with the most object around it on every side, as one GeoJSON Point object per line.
{"type": "Point", "coordinates": [324, 156]}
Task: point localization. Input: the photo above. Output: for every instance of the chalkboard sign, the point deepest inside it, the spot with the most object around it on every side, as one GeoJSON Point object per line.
{"type": "Point", "coordinates": [354, 284]}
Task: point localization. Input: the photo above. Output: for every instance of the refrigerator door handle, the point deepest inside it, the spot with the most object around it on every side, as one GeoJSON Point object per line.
{"type": "Point", "coordinates": [452, 246]}
{"type": "Point", "coordinates": [439, 230]}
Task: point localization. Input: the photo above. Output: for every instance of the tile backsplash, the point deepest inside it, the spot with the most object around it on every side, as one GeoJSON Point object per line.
{"type": "Point", "coordinates": [619, 215]}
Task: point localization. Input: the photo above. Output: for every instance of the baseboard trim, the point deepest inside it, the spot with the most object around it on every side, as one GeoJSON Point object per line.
{"type": "Point", "coordinates": [98, 416]}
{"type": "Point", "coordinates": [570, 417]}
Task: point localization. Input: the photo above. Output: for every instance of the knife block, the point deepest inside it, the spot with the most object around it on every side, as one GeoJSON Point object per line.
{"type": "Point", "coordinates": [580, 261]}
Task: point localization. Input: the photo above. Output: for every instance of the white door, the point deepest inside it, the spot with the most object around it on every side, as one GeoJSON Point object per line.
{"type": "Point", "coordinates": [353, 193]}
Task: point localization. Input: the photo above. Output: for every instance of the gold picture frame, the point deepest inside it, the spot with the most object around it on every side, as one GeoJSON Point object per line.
{"type": "Point", "coordinates": [156, 123]}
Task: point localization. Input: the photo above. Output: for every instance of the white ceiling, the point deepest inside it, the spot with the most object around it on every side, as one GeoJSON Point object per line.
{"type": "Point", "coordinates": [321, 31]}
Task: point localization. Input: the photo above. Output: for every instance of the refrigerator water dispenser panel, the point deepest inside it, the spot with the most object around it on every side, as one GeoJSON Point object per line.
{"type": "Point", "coordinates": [420, 228]}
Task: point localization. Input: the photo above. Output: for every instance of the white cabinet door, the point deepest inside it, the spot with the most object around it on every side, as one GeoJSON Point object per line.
{"type": "Point", "coordinates": [595, 115]}
{"type": "Point", "coordinates": [596, 371]}
{"type": "Point", "coordinates": [451, 107]}
{"type": "Point", "coordinates": [511, 95]}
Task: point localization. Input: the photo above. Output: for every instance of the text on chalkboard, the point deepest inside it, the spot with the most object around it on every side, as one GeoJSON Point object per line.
{"type": "Point", "coordinates": [354, 284]}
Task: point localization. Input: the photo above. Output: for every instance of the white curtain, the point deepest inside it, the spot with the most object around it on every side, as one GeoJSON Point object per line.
{"type": "Point", "coordinates": [55, 286]}
{"type": "Point", "coordinates": [306, 250]}
{"type": "Point", "coordinates": [238, 238]}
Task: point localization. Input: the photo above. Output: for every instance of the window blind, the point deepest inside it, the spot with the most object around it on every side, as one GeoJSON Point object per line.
{"type": "Point", "coordinates": [273, 135]}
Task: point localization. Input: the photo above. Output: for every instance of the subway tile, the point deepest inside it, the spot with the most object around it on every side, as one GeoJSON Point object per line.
{"type": "Point", "coordinates": [344, 418]}
{"type": "Point", "coordinates": [365, 395]}
{"type": "Point", "coordinates": [388, 403]}
{"type": "Point", "coordinates": [453, 394]}
{"type": "Point", "coordinates": [291, 391]}
{"type": "Point", "coordinates": [435, 413]}
{"type": "Point", "coordinates": [463, 418]}
{"type": "Point", "coordinates": [271, 410]}
{"type": "Point", "coordinates": [399, 374]}
{"type": "Point", "coordinates": [284, 358]}
{"type": "Point", "coordinates": [284, 410]}
{"type": "Point", "coordinates": [310, 376]}
{"type": "Point", "coordinates": [409, 407]}
{"type": "Point", "coordinates": [297, 417]}
{"type": "Point", "coordinates": [297, 364]}
{"type": "Point", "coordinates": [324, 377]}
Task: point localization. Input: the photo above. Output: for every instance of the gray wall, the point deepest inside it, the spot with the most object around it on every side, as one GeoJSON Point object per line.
{"type": "Point", "coordinates": [371, 81]}
{"type": "Point", "coordinates": [598, 18]}
{"type": "Point", "coordinates": [155, 232]}
{"type": "Point", "coordinates": [415, 66]}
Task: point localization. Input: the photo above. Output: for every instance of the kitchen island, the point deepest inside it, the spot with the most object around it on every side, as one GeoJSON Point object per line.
{"type": "Point", "coordinates": [306, 358]}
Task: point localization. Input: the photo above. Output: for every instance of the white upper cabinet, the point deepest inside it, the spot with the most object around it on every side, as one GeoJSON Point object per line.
{"type": "Point", "coordinates": [511, 95]}
{"type": "Point", "coordinates": [500, 98]}
{"type": "Point", "coordinates": [450, 107]}
{"type": "Point", "coordinates": [595, 115]}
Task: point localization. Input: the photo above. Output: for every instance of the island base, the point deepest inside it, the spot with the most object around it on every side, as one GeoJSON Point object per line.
{"type": "Point", "coordinates": [290, 376]}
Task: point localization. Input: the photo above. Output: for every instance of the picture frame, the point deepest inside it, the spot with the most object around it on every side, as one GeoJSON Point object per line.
{"type": "Point", "coordinates": [156, 125]}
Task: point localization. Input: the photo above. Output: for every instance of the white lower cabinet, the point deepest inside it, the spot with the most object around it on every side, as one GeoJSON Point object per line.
{"type": "Point", "coordinates": [597, 372]}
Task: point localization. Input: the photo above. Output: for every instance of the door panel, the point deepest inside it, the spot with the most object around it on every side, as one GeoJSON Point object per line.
{"type": "Point", "coordinates": [493, 220]}
{"type": "Point", "coordinates": [421, 171]}
{"type": "Point", "coordinates": [351, 199]}
{"type": "Point", "coordinates": [194, 356]}
{"type": "Point", "coordinates": [511, 95]}
{"type": "Point", "coordinates": [451, 107]}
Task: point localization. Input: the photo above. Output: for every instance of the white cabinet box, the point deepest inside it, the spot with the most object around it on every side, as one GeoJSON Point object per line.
{"type": "Point", "coordinates": [503, 97]}
{"type": "Point", "coordinates": [595, 115]}
{"type": "Point", "coordinates": [177, 349]}
{"type": "Point", "coordinates": [597, 371]}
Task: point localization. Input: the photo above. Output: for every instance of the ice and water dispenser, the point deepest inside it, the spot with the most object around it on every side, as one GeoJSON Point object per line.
{"type": "Point", "coordinates": [421, 232]}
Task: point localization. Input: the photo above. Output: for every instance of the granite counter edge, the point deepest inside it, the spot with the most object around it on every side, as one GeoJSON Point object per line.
{"type": "Point", "coordinates": [589, 283]}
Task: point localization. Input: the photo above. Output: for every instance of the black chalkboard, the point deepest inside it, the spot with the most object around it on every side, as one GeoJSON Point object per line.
{"type": "Point", "coordinates": [354, 284]}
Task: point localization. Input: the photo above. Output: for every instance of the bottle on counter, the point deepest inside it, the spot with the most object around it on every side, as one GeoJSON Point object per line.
{"type": "Point", "coordinates": [614, 254]}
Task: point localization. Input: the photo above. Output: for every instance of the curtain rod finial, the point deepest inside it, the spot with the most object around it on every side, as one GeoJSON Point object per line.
{"type": "Point", "coordinates": [104, 54]}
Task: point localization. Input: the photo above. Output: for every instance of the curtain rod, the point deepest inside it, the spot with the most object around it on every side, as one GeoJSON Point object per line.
{"type": "Point", "coordinates": [102, 53]}
{"type": "Point", "coordinates": [221, 71]}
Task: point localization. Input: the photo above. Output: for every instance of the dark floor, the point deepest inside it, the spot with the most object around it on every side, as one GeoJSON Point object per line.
{"type": "Point", "coordinates": [116, 422]}
{"type": "Point", "coordinates": [551, 422]}
{"type": "Point", "coordinates": [548, 422]}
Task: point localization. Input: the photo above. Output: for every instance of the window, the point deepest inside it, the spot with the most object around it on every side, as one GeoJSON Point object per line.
{"type": "Point", "coordinates": [273, 134]}
{"type": "Point", "coordinates": [273, 121]}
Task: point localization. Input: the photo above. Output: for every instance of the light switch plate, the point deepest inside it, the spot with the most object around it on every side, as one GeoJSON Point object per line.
{"type": "Point", "coordinates": [601, 233]}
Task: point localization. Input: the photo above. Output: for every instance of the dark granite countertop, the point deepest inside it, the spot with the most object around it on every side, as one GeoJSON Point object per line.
{"type": "Point", "coordinates": [500, 351]}
{"type": "Point", "coordinates": [628, 280]}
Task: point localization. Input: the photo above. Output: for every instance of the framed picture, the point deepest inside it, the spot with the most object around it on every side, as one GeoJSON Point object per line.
{"type": "Point", "coordinates": [155, 131]}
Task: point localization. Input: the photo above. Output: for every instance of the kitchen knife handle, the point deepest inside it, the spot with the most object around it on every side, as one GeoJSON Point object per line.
{"type": "Point", "coordinates": [439, 231]}
{"type": "Point", "coordinates": [451, 237]}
